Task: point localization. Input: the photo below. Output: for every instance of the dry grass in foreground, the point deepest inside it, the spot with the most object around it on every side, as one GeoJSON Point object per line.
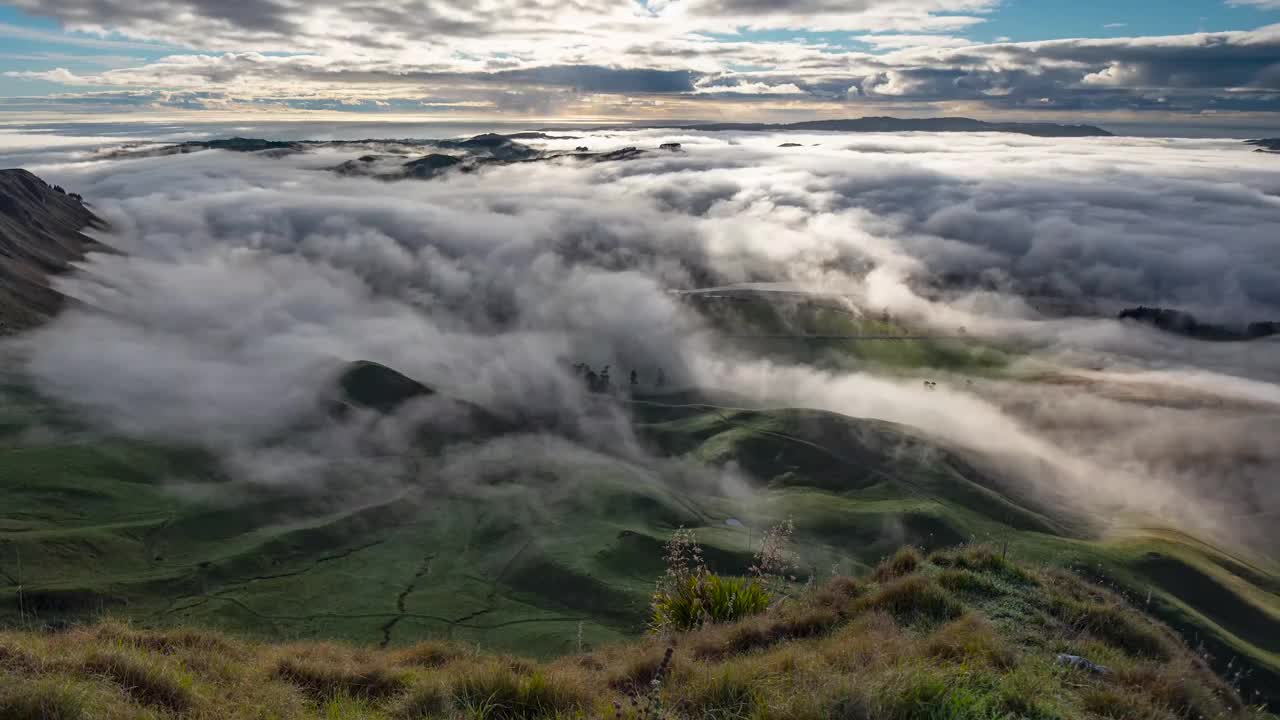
{"type": "Point", "coordinates": [962, 635]}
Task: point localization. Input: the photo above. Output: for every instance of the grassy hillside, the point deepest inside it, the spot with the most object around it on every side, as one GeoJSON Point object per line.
{"type": "Point", "coordinates": [159, 535]}
{"type": "Point", "coordinates": [964, 635]}
{"type": "Point", "coordinates": [826, 333]}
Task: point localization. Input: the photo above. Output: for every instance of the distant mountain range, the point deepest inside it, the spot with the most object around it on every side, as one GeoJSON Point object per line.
{"type": "Point", "coordinates": [891, 124]}
{"type": "Point", "coordinates": [40, 236]}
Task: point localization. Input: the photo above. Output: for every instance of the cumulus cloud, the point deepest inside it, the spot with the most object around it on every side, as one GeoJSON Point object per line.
{"type": "Point", "coordinates": [246, 279]}
{"type": "Point", "coordinates": [542, 56]}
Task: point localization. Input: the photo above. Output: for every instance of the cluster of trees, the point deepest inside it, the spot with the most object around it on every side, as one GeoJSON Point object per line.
{"type": "Point", "coordinates": [602, 382]}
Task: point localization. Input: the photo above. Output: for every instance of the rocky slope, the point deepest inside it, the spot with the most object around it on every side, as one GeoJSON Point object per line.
{"type": "Point", "coordinates": [40, 236]}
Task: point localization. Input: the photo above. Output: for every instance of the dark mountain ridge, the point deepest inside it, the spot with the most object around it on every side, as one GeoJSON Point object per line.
{"type": "Point", "coordinates": [1184, 323]}
{"type": "Point", "coordinates": [40, 236]}
{"type": "Point", "coordinates": [1266, 145]}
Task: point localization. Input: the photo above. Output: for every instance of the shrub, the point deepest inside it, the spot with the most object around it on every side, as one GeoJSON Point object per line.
{"type": "Point", "coordinates": [326, 678]}
{"type": "Point", "coordinates": [498, 693]}
{"type": "Point", "coordinates": [147, 680]}
{"type": "Point", "coordinates": [706, 598]}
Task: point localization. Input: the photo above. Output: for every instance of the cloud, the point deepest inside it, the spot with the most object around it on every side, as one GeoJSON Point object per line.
{"type": "Point", "coordinates": [1219, 72]}
{"type": "Point", "coordinates": [58, 75]}
{"type": "Point", "coordinates": [901, 41]}
{"type": "Point", "coordinates": [62, 38]}
{"type": "Point", "coordinates": [245, 279]}
{"type": "Point", "coordinates": [546, 56]}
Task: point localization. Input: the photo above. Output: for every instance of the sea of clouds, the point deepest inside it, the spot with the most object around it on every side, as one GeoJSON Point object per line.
{"type": "Point", "coordinates": [244, 280]}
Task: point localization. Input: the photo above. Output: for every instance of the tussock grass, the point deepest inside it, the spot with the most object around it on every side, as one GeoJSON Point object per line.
{"type": "Point", "coordinates": [429, 654]}
{"type": "Point", "coordinates": [962, 635]}
{"type": "Point", "coordinates": [762, 632]}
{"type": "Point", "coordinates": [983, 559]}
{"type": "Point", "coordinates": [427, 700]}
{"type": "Point", "coordinates": [1115, 625]}
{"type": "Point", "coordinates": [966, 581]}
{"type": "Point", "coordinates": [499, 693]}
{"type": "Point", "coordinates": [147, 678]}
{"type": "Point", "coordinates": [970, 639]}
{"type": "Point", "coordinates": [913, 598]}
{"type": "Point", "coordinates": [324, 676]}
{"type": "Point", "coordinates": [903, 562]}
{"type": "Point", "coordinates": [15, 658]}
{"type": "Point", "coordinates": [45, 698]}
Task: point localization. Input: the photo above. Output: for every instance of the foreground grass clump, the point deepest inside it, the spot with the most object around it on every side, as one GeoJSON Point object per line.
{"type": "Point", "coordinates": [962, 635]}
{"type": "Point", "coordinates": [691, 596]}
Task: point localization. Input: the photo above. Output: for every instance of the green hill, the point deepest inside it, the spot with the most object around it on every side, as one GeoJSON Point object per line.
{"type": "Point", "coordinates": [563, 551]}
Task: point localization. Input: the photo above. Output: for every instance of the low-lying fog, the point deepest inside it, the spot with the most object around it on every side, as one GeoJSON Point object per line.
{"type": "Point", "coordinates": [244, 277]}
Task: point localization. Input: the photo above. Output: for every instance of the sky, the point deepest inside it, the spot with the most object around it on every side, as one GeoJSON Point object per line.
{"type": "Point", "coordinates": [1193, 62]}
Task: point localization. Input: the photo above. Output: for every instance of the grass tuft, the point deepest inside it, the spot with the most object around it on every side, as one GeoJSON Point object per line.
{"type": "Point", "coordinates": [983, 559]}
{"type": "Point", "coordinates": [914, 598]}
{"type": "Point", "coordinates": [148, 679]}
{"type": "Point", "coordinates": [325, 678]}
{"type": "Point", "coordinates": [903, 562]}
{"type": "Point", "coordinates": [703, 599]}
{"type": "Point", "coordinates": [762, 632]}
{"type": "Point", "coordinates": [726, 692]}
{"type": "Point", "coordinates": [1115, 625]}
{"type": "Point", "coordinates": [429, 654]}
{"type": "Point", "coordinates": [970, 639]}
{"type": "Point", "coordinates": [967, 581]}
{"type": "Point", "coordinates": [497, 693]}
{"type": "Point", "coordinates": [426, 700]}
{"type": "Point", "coordinates": [44, 698]}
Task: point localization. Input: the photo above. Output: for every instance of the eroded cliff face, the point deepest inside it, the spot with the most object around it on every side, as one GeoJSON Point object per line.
{"type": "Point", "coordinates": [40, 236]}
